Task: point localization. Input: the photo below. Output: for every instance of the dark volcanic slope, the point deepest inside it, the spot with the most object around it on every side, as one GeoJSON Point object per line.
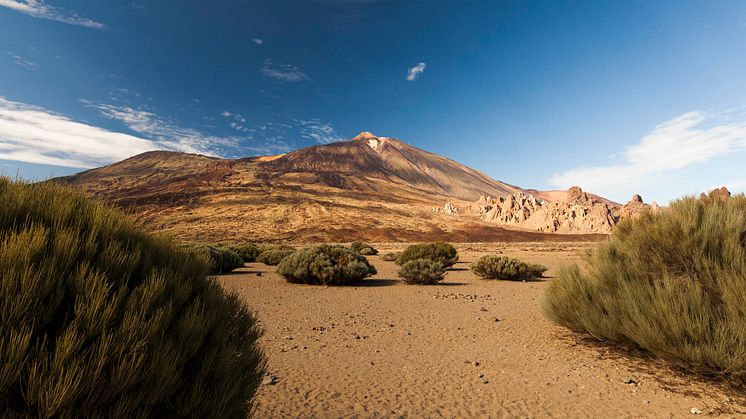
{"type": "Point", "coordinates": [368, 188]}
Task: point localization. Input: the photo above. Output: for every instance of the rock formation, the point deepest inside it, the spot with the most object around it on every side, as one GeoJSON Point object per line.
{"type": "Point", "coordinates": [580, 213]}
{"type": "Point", "coordinates": [450, 209]}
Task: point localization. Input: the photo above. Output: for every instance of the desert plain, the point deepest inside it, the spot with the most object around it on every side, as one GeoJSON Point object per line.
{"type": "Point", "coordinates": [467, 347]}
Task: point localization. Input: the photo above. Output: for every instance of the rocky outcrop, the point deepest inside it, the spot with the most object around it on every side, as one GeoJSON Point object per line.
{"type": "Point", "coordinates": [580, 213]}
{"type": "Point", "coordinates": [450, 209]}
{"type": "Point", "coordinates": [717, 193]}
{"type": "Point", "coordinates": [635, 207]}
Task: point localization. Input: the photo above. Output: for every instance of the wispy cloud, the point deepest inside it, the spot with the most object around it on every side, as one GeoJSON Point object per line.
{"type": "Point", "coordinates": [258, 41]}
{"type": "Point", "coordinates": [319, 131]}
{"type": "Point", "coordinates": [166, 133]}
{"type": "Point", "coordinates": [689, 138]}
{"type": "Point", "coordinates": [38, 8]}
{"type": "Point", "coordinates": [23, 62]}
{"type": "Point", "coordinates": [283, 72]}
{"type": "Point", "coordinates": [415, 71]}
{"type": "Point", "coordinates": [35, 135]}
{"type": "Point", "coordinates": [236, 121]}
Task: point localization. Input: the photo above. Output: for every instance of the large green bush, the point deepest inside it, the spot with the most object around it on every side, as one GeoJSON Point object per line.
{"type": "Point", "coordinates": [325, 265]}
{"type": "Point", "coordinates": [439, 252]}
{"type": "Point", "coordinates": [422, 271]}
{"type": "Point", "coordinates": [273, 257]}
{"type": "Point", "coordinates": [222, 259]}
{"type": "Point", "coordinates": [502, 267]}
{"type": "Point", "coordinates": [363, 248]}
{"type": "Point", "coordinates": [672, 283]}
{"type": "Point", "coordinates": [99, 319]}
{"type": "Point", "coordinates": [248, 251]}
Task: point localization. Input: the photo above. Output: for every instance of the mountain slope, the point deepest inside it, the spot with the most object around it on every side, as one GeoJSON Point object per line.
{"type": "Point", "coordinates": [367, 188]}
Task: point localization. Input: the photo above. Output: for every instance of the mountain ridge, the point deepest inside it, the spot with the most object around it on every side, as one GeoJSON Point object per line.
{"type": "Point", "coordinates": [369, 188]}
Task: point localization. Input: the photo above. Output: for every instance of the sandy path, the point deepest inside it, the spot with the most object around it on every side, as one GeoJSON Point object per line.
{"type": "Point", "coordinates": [466, 348]}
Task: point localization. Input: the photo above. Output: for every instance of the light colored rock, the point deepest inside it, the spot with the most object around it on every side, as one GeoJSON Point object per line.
{"type": "Point", "coordinates": [450, 209]}
{"type": "Point", "coordinates": [579, 214]}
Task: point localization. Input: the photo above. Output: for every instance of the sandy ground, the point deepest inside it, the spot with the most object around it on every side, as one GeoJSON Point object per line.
{"type": "Point", "coordinates": [466, 348]}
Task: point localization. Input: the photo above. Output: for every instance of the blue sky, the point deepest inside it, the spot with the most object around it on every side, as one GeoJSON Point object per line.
{"type": "Point", "coordinates": [617, 97]}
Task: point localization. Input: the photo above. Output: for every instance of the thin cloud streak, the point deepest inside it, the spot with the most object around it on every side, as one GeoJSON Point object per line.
{"type": "Point", "coordinates": [39, 9]}
{"type": "Point", "coordinates": [415, 71]}
{"type": "Point", "coordinates": [319, 131]}
{"type": "Point", "coordinates": [283, 72]}
{"type": "Point", "coordinates": [685, 140]}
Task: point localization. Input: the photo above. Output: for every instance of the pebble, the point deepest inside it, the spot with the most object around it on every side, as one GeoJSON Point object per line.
{"type": "Point", "coordinates": [695, 411]}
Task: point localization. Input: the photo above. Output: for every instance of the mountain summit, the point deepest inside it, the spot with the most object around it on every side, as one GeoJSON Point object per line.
{"type": "Point", "coordinates": [369, 187]}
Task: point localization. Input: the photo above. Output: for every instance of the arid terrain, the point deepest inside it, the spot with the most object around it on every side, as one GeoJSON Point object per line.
{"type": "Point", "coordinates": [464, 348]}
{"type": "Point", "coordinates": [368, 188]}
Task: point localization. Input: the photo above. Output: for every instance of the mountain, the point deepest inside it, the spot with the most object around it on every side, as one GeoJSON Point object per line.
{"type": "Point", "coordinates": [368, 188]}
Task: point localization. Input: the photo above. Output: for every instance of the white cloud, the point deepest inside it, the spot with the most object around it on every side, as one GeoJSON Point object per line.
{"type": "Point", "coordinates": [415, 71]}
{"type": "Point", "coordinates": [23, 62]}
{"type": "Point", "coordinates": [319, 131]}
{"type": "Point", "coordinates": [38, 8]}
{"type": "Point", "coordinates": [35, 135]}
{"type": "Point", "coordinates": [258, 41]}
{"type": "Point", "coordinates": [237, 122]}
{"type": "Point", "coordinates": [167, 134]}
{"type": "Point", "coordinates": [283, 72]}
{"type": "Point", "coordinates": [689, 138]}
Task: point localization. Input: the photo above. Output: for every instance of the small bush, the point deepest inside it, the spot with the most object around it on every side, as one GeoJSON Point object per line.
{"type": "Point", "coordinates": [363, 249]}
{"type": "Point", "coordinates": [672, 283]}
{"type": "Point", "coordinates": [273, 257]}
{"type": "Point", "coordinates": [222, 259]}
{"type": "Point", "coordinates": [100, 319]}
{"type": "Point", "coordinates": [325, 265]}
{"type": "Point", "coordinates": [422, 271]}
{"type": "Point", "coordinates": [439, 252]}
{"type": "Point", "coordinates": [390, 257]}
{"type": "Point", "coordinates": [248, 251]}
{"type": "Point", "coordinates": [502, 267]}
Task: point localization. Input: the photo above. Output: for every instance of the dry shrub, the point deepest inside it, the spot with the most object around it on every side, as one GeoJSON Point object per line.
{"type": "Point", "coordinates": [502, 267]}
{"type": "Point", "coordinates": [274, 256]}
{"type": "Point", "coordinates": [422, 272]}
{"type": "Point", "coordinates": [439, 252]}
{"type": "Point", "coordinates": [325, 265]}
{"type": "Point", "coordinates": [390, 257]}
{"type": "Point", "coordinates": [248, 251]}
{"type": "Point", "coordinates": [363, 249]}
{"type": "Point", "coordinates": [222, 259]}
{"type": "Point", "coordinates": [672, 283]}
{"type": "Point", "coordinates": [100, 319]}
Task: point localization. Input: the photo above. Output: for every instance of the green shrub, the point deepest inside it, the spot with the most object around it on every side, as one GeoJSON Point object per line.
{"type": "Point", "coordinates": [439, 252]}
{"type": "Point", "coordinates": [672, 283]}
{"type": "Point", "coordinates": [390, 257]}
{"type": "Point", "coordinates": [363, 249]}
{"type": "Point", "coordinates": [422, 271]}
{"type": "Point", "coordinates": [222, 259]}
{"type": "Point", "coordinates": [273, 257]}
{"type": "Point", "coordinates": [100, 319]}
{"type": "Point", "coordinates": [325, 265]}
{"type": "Point", "coordinates": [248, 251]}
{"type": "Point", "coordinates": [502, 267]}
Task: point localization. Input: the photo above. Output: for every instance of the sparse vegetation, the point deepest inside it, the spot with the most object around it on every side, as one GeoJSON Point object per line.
{"type": "Point", "coordinates": [422, 271]}
{"type": "Point", "coordinates": [248, 251]}
{"type": "Point", "coordinates": [503, 267]}
{"type": "Point", "coordinates": [363, 249]}
{"type": "Point", "coordinates": [222, 259]}
{"type": "Point", "coordinates": [100, 319]}
{"type": "Point", "coordinates": [325, 265]}
{"type": "Point", "coordinates": [672, 283]}
{"type": "Point", "coordinates": [274, 256]}
{"type": "Point", "coordinates": [390, 257]}
{"type": "Point", "coordinates": [439, 252]}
